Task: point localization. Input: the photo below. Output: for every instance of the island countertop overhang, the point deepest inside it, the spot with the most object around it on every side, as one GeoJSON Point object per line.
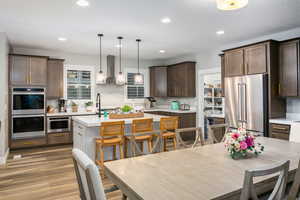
{"type": "Point", "coordinates": [95, 121]}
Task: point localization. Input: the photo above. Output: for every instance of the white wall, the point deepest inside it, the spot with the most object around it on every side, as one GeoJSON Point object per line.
{"type": "Point", "coordinates": [4, 50]}
{"type": "Point", "coordinates": [111, 95]}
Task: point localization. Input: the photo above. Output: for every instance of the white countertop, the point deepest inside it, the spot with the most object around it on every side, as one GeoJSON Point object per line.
{"type": "Point", "coordinates": [95, 121]}
{"type": "Point", "coordinates": [284, 121]}
{"type": "Point", "coordinates": [70, 114]}
{"type": "Point", "coordinates": [169, 110]}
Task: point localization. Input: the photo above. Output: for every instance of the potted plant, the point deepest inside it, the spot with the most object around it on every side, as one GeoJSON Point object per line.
{"type": "Point", "coordinates": [126, 109]}
{"type": "Point", "coordinates": [89, 106]}
{"type": "Point", "coordinates": [74, 107]}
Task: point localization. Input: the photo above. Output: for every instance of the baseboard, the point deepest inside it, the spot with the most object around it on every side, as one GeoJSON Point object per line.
{"type": "Point", "coordinates": [4, 158]}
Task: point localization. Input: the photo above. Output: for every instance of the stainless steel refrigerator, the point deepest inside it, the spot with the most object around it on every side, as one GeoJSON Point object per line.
{"type": "Point", "coordinates": [246, 99]}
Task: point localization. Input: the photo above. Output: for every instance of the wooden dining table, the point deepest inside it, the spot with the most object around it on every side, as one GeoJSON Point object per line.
{"type": "Point", "coordinates": [201, 173]}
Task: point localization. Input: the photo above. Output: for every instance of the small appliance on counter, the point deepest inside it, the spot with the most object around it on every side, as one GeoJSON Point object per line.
{"type": "Point", "coordinates": [150, 102]}
{"type": "Point", "coordinates": [185, 106]}
{"type": "Point", "coordinates": [62, 105]}
{"type": "Point", "coordinates": [175, 105]}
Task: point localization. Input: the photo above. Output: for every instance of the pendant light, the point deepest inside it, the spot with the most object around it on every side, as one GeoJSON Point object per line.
{"type": "Point", "coordinates": [101, 78]}
{"type": "Point", "coordinates": [231, 4]}
{"type": "Point", "coordinates": [138, 78]}
{"type": "Point", "coordinates": [120, 77]}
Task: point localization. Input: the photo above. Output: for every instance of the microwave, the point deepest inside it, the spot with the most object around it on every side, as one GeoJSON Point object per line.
{"type": "Point", "coordinates": [27, 101]}
{"type": "Point", "coordinates": [58, 124]}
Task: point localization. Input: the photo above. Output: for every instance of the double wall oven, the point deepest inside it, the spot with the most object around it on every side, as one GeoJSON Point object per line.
{"type": "Point", "coordinates": [28, 112]}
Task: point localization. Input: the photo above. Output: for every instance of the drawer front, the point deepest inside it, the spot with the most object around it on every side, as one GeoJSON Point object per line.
{"type": "Point", "coordinates": [26, 143]}
{"type": "Point", "coordinates": [59, 138]}
{"type": "Point", "coordinates": [280, 128]}
{"type": "Point", "coordinates": [282, 136]}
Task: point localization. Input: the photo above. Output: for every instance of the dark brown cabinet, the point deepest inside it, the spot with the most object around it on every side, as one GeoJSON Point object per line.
{"type": "Point", "coordinates": [60, 138]}
{"type": "Point", "coordinates": [158, 82]}
{"type": "Point", "coordinates": [256, 59]}
{"type": "Point", "coordinates": [234, 63]}
{"type": "Point", "coordinates": [181, 80]}
{"type": "Point", "coordinates": [280, 131]}
{"type": "Point", "coordinates": [289, 69]}
{"type": "Point", "coordinates": [252, 59]}
{"type": "Point", "coordinates": [55, 78]}
{"type": "Point", "coordinates": [28, 70]}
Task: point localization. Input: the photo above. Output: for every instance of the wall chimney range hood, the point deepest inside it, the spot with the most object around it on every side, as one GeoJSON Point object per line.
{"type": "Point", "coordinates": [111, 79]}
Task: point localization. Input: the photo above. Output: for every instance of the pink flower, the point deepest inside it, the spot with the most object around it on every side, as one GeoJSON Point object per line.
{"type": "Point", "coordinates": [250, 141]}
{"type": "Point", "coordinates": [235, 135]}
{"type": "Point", "coordinates": [243, 145]}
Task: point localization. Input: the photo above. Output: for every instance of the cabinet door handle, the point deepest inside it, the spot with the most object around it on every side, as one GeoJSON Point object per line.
{"type": "Point", "coordinates": [280, 128]}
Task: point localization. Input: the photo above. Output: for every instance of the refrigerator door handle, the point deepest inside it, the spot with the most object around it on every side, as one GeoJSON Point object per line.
{"type": "Point", "coordinates": [240, 106]}
{"type": "Point", "coordinates": [244, 86]}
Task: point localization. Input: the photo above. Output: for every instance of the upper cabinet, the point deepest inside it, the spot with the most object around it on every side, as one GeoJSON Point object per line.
{"type": "Point", "coordinates": [28, 70]}
{"type": "Point", "coordinates": [176, 80]}
{"type": "Point", "coordinates": [234, 63]}
{"type": "Point", "coordinates": [247, 60]}
{"type": "Point", "coordinates": [256, 59]}
{"type": "Point", "coordinates": [289, 69]}
{"type": "Point", "coordinates": [158, 81]}
{"type": "Point", "coordinates": [181, 80]}
{"type": "Point", "coordinates": [55, 79]}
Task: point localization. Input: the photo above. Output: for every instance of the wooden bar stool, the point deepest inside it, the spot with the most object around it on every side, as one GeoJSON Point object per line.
{"type": "Point", "coordinates": [112, 134]}
{"type": "Point", "coordinates": [168, 125]}
{"type": "Point", "coordinates": [141, 126]}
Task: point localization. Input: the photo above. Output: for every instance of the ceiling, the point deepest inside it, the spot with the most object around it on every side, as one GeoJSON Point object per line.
{"type": "Point", "coordinates": [38, 24]}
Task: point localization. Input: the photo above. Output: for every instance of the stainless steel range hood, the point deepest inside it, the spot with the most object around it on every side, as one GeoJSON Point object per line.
{"type": "Point", "coordinates": [111, 79]}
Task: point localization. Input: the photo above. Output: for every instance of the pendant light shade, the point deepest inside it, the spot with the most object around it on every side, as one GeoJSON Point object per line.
{"type": "Point", "coordinates": [120, 77]}
{"type": "Point", "coordinates": [231, 4]}
{"type": "Point", "coordinates": [101, 78]}
{"type": "Point", "coordinates": [138, 78]}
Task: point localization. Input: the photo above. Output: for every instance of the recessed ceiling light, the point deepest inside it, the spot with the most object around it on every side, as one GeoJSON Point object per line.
{"type": "Point", "coordinates": [220, 32]}
{"type": "Point", "coordinates": [62, 39]}
{"type": "Point", "coordinates": [83, 3]}
{"type": "Point", "coordinates": [162, 51]}
{"type": "Point", "coordinates": [165, 20]}
{"type": "Point", "coordinates": [118, 46]}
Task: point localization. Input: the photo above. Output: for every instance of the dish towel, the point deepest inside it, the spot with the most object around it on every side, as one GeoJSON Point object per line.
{"type": "Point", "coordinates": [295, 132]}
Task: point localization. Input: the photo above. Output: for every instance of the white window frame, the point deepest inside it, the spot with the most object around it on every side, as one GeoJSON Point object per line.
{"type": "Point", "coordinates": [143, 71]}
{"type": "Point", "coordinates": [79, 68]}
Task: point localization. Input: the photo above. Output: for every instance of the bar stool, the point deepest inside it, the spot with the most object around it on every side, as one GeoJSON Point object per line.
{"type": "Point", "coordinates": [112, 134]}
{"type": "Point", "coordinates": [168, 125]}
{"type": "Point", "coordinates": [140, 126]}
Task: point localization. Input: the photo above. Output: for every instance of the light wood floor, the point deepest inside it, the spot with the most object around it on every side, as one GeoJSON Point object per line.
{"type": "Point", "coordinates": [43, 174]}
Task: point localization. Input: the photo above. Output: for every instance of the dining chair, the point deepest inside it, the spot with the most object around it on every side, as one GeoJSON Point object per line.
{"type": "Point", "coordinates": [88, 177]}
{"type": "Point", "coordinates": [198, 137]}
{"type": "Point", "coordinates": [111, 134]}
{"type": "Point", "coordinates": [168, 125]}
{"type": "Point", "coordinates": [248, 191]}
{"type": "Point", "coordinates": [212, 138]}
{"type": "Point", "coordinates": [294, 191]}
{"type": "Point", "coordinates": [142, 126]}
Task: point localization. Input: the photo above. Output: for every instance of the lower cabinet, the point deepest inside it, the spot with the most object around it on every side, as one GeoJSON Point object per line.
{"type": "Point", "coordinates": [60, 138]}
{"type": "Point", "coordinates": [26, 143]}
{"type": "Point", "coordinates": [280, 131]}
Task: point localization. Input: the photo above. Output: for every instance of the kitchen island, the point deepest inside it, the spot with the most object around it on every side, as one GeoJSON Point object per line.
{"type": "Point", "coordinates": [86, 129]}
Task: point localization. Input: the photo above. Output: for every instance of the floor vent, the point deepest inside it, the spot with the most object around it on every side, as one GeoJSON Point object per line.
{"type": "Point", "coordinates": [17, 157]}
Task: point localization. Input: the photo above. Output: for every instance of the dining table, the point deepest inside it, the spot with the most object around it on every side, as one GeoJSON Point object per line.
{"type": "Point", "coordinates": [200, 173]}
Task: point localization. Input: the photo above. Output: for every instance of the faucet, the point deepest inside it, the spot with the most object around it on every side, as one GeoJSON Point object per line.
{"type": "Point", "coordinates": [98, 104]}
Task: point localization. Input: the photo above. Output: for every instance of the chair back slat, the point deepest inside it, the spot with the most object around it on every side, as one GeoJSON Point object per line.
{"type": "Point", "coordinates": [212, 138]}
{"type": "Point", "coordinates": [296, 185]}
{"type": "Point", "coordinates": [142, 125]}
{"type": "Point", "coordinates": [248, 191]}
{"type": "Point", "coordinates": [168, 123]}
{"type": "Point", "coordinates": [111, 129]}
{"type": "Point", "coordinates": [88, 177]}
{"type": "Point", "coordinates": [199, 141]}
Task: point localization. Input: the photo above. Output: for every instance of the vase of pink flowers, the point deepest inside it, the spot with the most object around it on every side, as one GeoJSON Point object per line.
{"type": "Point", "coordinates": [240, 143]}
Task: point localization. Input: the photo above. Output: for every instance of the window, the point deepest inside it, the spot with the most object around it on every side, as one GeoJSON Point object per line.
{"type": "Point", "coordinates": [78, 83]}
{"type": "Point", "coordinates": [134, 91]}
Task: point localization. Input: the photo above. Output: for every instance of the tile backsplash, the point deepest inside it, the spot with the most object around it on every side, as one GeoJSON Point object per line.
{"type": "Point", "coordinates": [293, 105]}
{"type": "Point", "coordinates": [193, 102]}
